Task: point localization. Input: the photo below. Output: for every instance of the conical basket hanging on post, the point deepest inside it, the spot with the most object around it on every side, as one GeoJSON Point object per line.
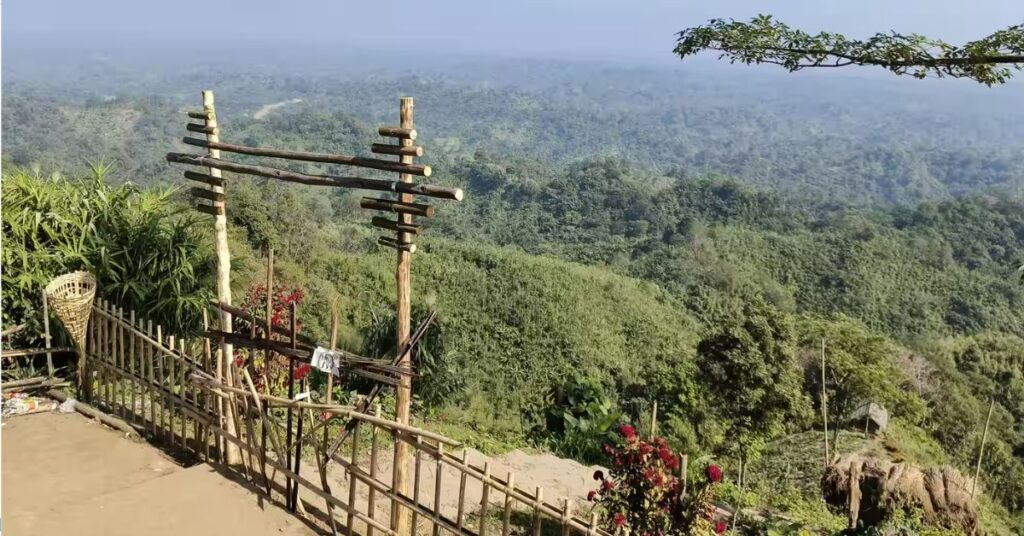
{"type": "Point", "coordinates": [71, 296]}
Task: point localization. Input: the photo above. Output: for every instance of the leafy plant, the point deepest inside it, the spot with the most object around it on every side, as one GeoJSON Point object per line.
{"type": "Point", "coordinates": [575, 418]}
{"type": "Point", "coordinates": [642, 494]}
{"type": "Point", "coordinates": [147, 254]}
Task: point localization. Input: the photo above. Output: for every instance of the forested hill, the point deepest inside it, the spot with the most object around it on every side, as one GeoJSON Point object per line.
{"type": "Point", "coordinates": [844, 140]}
{"type": "Point", "coordinates": [628, 237]}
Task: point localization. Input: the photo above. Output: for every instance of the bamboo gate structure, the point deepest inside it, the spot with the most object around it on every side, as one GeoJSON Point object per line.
{"type": "Point", "coordinates": [201, 399]}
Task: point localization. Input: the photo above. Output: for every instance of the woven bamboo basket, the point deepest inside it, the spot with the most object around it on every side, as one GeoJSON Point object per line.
{"type": "Point", "coordinates": [70, 296]}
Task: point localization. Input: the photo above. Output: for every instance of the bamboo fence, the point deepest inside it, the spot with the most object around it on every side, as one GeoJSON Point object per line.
{"type": "Point", "coordinates": [167, 388]}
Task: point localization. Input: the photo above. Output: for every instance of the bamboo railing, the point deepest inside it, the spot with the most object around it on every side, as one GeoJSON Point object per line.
{"type": "Point", "coordinates": [168, 390]}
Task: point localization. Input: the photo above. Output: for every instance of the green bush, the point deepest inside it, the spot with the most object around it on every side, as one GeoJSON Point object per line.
{"type": "Point", "coordinates": [145, 253]}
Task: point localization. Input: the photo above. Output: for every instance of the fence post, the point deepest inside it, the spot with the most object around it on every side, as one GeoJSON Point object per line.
{"type": "Point", "coordinates": [46, 335]}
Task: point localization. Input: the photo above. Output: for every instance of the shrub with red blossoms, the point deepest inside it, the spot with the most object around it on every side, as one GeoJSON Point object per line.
{"type": "Point", "coordinates": [642, 494]}
{"type": "Point", "coordinates": [276, 372]}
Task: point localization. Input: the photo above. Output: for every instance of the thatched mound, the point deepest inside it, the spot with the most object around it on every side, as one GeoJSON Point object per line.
{"type": "Point", "coordinates": [871, 489]}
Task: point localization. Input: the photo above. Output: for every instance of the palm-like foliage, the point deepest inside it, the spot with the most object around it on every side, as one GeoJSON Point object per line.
{"type": "Point", "coordinates": [145, 253]}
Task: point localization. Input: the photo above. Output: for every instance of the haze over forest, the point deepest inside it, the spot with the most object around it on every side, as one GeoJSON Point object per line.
{"type": "Point", "coordinates": [625, 214]}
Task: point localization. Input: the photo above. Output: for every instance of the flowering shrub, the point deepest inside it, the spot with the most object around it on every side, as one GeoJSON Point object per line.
{"type": "Point", "coordinates": [276, 372]}
{"type": "Point", "coordinates": [643, 493]}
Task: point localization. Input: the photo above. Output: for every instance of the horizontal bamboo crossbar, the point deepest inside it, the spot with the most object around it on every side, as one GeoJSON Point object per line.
{"type": "Point", "coordinates": [393, 225]}
{"type": "Point", "coordinates": [33, 351]}
{"type": "Point", "coordinates": [204, 178]}
{"type": "Point", "coordinates": [209, 383]}
{"type": "Point", "coordinates": [204, 193]}
{"type": "Point", "coordinates": [213, 210]}
{"type": "Point", "coordinates": [397, 150]}
{"type": "Point", "coordinates": [192, 127]}
{"type": "Point", "coordinates": [392, 243]}
{"type": "Point", "coordinates": [397, 132]}
{"type": "Point", "coordinates": [199, 115]}
{"type": "Point", "coordinates": [358, 161]}
{"type": "Point", "coordinates": [389, 205]}
{"type": "Point", "coordinates": [443, 192]}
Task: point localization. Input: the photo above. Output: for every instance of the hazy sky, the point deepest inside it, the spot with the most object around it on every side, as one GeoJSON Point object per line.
{"type": "Point", "coordinates": [622, 30]}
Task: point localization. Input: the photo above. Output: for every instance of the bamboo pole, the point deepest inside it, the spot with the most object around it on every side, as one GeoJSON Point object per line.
{"type": "Point", "coordinates": [151, 358]}
{"type": "Point", "coordinates": [372, 499]}
{"type": "Point", "coordinates": [183, 389]}
{"type": "Point", "coordinates": [390, 205]}
{"type": "Point", "coordinates": [352, 478]}
{"type": "Point", "coordinates": [462, 491]}
{"type": "Point", "coordinates": [131, 361]}
{"type": "Point", "coordinates": [220, 228]}
{"type": "Point", "coordinates": [981, 449]}
{"type": "Point", "coordinates": [506, 518]}
{"type": "Point", "coordinates": [418, 457]}
{"type": "Point", "coordinates": [537, 505]}
{"type": "Point", "coordinates": [400, 517]}
{"type": "Point", "coordinates": [89, 411]}
{"type": "Point", "coordinates": [824, 402]}
{"type": "Point", "coordinates": [322, 469]}
{"type": "Point", "coordinates": [566, 515]}
{"type": "Point", "coordinates": [387, 148]}
{"type": "Point", "coordinates": [46, 335]}
{"type": "Point", "coordinates": [120, 358]}
{"type": "Point", "coordinates": [337, 181]}
{"type": "Point", "coordinates": [302, 387]}
{"type": "Point", "coordinates": [438, 472]}
{"type": "Point", "coordinates": [485, 494]}
{"type": "Point", "coordinates": [371, 163]}
{"type": "Point", "coordinates": [654, 420]}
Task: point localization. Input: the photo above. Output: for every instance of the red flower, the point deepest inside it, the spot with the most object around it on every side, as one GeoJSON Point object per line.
{"type": "Point", "coordinates": [324, 415]}
{"type": "Point", "coordinates": [620, 519]}
{"type": "Point", "coordinates": [608, 449]}
{"type": "Point", "coordinates": [301, 371]}
{"type": "Point", "coordinates": [673, 463]}
{"type": "Point", "coordinates": [599, 475]}
{"type": "Point", "coordinates": [720, 527]}
{"type": "Point", "coordinates": [591, 495]}
{"type": "Point", "coordinates": [608, 485]}
{"type": "Point", "coordinates": [714, 473]}
{"type": "Point", "coordinates": [650, 475]}
{"type": "Point", "coordinates": [646, 448]}
{"type": "Point", "coordinates": [627, 431]}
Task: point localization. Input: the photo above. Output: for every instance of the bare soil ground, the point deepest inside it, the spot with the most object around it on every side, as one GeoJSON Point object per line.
{"type": "Point", "coordinates": [64, 475]}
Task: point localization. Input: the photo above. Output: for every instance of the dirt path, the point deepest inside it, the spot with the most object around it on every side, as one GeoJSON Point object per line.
{"type": "Point", "coordinates": [64, 474]}
{"type": "Point", "coordinates": [267, 108]}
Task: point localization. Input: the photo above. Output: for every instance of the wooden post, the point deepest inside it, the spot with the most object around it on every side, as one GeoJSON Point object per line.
{"type": "Point", "coordinates": [538, 503]}
{"type": "Point", "coordinates": [152, 377]}
{"type": "Point", "coordinates": [372, 499]}
{"type": "Point", "coordinates": [131, 361]}
{"type": "Point", "coordinates": [654, 420]}
{"type": "Point", "coordinates": [485, 499]}
{"type": "Point", "coordinates": [824, 401]}
{"type": "Point", "coordinates": [981, 450]}
{"type": "Point", "coordinates": [506, 518]}
{"type": "Point", "coordinates": [437, 489]}
{"type": "Point", "coordinates": [220, 228]}
{"type": "Point", "coordinates": [400, 482]}
{"type": "Point", "coordinates": [685, 469]}
{"type": "Point", "coordinates": [46, 337]}
{"type": "Point", "coordinates": [462, 490]}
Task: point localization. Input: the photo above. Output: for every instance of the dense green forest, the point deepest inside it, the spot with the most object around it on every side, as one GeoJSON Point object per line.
{"type": "Point", "coordinates": [628, 237]}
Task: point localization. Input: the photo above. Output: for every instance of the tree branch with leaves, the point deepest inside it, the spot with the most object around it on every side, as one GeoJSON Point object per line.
{"type": "Point", "coordinates": [990, 60]}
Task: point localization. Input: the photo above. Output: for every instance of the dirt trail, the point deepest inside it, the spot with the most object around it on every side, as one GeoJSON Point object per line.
{"type": "Point", "coordinates": [64, 474]}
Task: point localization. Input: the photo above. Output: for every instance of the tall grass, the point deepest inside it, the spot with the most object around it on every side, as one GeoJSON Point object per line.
{"type": "Point", "coordinates": [147, 254]}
